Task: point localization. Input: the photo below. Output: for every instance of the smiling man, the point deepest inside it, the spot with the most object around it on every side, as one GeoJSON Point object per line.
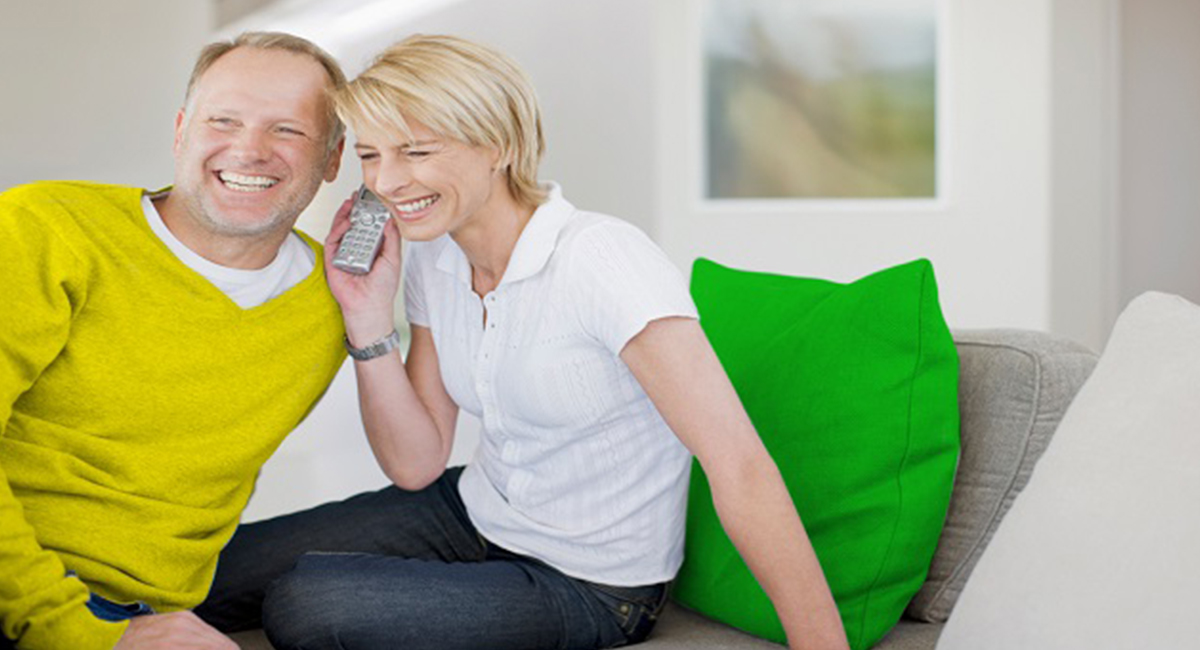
{"type": "Point", "coordinates": [155, 349]}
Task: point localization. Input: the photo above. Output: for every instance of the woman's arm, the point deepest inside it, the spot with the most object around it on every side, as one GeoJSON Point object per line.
{"type": "Point", "coordinates": [407, 413]}
{"type": "Point", "coordinates": [408, 416]}
{"type": "Point", "coordinates": [678, 369]}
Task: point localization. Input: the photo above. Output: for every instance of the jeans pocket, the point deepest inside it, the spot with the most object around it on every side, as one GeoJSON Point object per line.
{"type": "Point", "coordinates": [635, 609]}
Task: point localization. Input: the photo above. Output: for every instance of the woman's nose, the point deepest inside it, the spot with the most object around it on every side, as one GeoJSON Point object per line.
{"type": "Point", "coordinates": [392, 178]}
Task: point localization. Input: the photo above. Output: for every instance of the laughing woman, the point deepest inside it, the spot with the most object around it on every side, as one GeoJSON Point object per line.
{"type": "Point", "coordinates": [574, 340]}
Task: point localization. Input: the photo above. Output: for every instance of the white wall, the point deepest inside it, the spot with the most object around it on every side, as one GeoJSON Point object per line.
{"type": "Point", "coordinates": [1084, 151]}
{"type": "Point", "coordinates": [91, 88]}
{"type": "Point", "coordinates": [1160, 147]}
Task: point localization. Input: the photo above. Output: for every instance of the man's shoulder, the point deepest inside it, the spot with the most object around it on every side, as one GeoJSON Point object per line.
{"type": "Point", "coordinates": [70, 188]}
{"type": "Point", "coordinates": [42, 195]}
{"type": "Point", "coordinates": [75, 213]}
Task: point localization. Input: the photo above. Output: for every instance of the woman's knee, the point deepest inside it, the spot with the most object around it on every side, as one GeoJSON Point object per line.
{"type": "Point", "coordinates": [308, 607]}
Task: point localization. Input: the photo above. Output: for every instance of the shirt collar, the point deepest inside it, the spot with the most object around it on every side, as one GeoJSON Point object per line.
{"type": "Point", "coordinates": [534, 247]}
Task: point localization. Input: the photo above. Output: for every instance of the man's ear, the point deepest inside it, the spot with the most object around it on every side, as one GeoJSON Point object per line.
{"type": "Point", "coordinates": [335, 161]}
{"type": "Point", "coordinates": [180, 118]}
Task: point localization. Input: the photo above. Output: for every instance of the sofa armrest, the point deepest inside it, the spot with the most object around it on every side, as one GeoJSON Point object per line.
{"type": "Point", "coordinates": [1014, 387]}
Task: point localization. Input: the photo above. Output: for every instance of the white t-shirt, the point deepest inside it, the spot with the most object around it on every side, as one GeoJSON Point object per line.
{"type": "Point", "coordinates": [575, 466]}
{"type": "Point", "coordinates": [247, 288]}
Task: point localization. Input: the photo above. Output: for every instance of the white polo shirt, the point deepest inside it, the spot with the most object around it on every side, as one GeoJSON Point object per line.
{"type": "Point", "coordinates": [575, 465]}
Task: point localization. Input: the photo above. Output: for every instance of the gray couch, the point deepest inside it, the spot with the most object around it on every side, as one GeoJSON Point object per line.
{"type": "Point", "coordinates": [1014, 388]}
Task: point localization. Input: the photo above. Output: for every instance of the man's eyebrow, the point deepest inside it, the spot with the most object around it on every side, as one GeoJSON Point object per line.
{"type": "Point", "coordinates": [222, 111]}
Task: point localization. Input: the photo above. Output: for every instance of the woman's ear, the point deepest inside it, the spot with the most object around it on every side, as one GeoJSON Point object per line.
{"type": "Point", "coordinates": [501, 161]}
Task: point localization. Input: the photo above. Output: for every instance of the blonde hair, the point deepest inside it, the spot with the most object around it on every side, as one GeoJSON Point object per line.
{"type": "Point", "coordinates": [274, 41]}
{"type": "Point", "coordinates": [459, 89]}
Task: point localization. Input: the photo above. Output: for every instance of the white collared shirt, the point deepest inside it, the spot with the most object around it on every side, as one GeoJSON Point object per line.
{"type": "Point", "coordinates": [575, 465]}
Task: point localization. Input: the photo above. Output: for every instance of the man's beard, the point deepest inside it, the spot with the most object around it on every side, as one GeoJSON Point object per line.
{"type": "Point", "coordinates": [283, 212]}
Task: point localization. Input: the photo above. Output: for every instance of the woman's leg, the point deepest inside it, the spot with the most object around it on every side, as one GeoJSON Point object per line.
{"type": "Point", "coordinates": [365, 602]}
{"type": "Point", "coordinates": [428, 524]}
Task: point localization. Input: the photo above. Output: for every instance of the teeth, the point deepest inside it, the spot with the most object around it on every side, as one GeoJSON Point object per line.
{"type": "Point", "coordinates": [415, 206]}
{"type": "Point", "coordinates": [243, 183]}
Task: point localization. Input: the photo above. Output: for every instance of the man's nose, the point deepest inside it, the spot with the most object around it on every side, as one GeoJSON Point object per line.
{"type": "Point", "coordinates": [252, 145]}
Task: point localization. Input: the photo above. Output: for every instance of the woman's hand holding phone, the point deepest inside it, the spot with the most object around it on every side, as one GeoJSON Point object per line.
{"type": "Point", "coordinates": [366, 299]}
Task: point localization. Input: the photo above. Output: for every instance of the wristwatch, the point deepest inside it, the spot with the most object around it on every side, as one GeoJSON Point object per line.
{"type": "Point", "coordinates": [374, 350]}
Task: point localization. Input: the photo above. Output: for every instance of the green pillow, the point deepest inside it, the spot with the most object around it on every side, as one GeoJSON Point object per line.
{"type": "Point", "coordinates": [854, 391]}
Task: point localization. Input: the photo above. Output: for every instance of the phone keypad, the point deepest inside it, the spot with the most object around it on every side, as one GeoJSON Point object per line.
{"type": "Point", "coordinates": [361, 243]}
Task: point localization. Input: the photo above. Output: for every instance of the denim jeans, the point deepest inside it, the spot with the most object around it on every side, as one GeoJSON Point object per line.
{"type": "Point", "coordinates": [106, 610]}
{"type": "Point", "coordinates": [397, 569]}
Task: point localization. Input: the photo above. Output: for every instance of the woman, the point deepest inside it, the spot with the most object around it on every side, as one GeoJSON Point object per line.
{"type": "Point", "coordinates": [576, 343]}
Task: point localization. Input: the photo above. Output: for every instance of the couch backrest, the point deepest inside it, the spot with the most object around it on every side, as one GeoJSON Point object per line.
{"type": "Point", "coordinates": [1014, 387]}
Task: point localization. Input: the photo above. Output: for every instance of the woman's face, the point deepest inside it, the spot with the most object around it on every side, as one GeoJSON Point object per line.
{"type": "Point", "coordinates": [433, 185]}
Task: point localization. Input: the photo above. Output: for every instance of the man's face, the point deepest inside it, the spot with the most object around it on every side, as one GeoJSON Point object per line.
{"type": "Point", "coordinates": [250, 147]}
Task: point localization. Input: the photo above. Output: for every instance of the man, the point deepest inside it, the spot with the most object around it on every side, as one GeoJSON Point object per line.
{"type": "Point", "coordinates": [155, 348]}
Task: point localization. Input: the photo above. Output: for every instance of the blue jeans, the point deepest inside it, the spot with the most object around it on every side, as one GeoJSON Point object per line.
{"type": "Point", "coordinates": [397, 569]}
{"type": "Point", "coordinates": [106, 610]}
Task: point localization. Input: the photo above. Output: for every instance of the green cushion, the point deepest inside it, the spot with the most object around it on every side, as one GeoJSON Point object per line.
{"type": "Point", "coordinates": [853, 389]}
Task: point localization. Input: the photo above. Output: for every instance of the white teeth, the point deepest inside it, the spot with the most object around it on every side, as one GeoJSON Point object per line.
{"type": "Point", "coordinates": [243, 183]}
{"type": "Point", "coordinates": [415, 206]}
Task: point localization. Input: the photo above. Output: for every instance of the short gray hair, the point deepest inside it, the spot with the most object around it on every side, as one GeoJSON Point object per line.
{"type": "Point", "coordinates": [274, 41]}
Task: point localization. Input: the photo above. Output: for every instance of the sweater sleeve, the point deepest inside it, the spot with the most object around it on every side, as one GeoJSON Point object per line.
{"type": "Point", "coordinates": [40, 607]}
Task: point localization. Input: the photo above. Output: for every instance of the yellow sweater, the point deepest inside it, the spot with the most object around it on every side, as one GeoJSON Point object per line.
{"type": "Point", "coordinates": [137, 403]}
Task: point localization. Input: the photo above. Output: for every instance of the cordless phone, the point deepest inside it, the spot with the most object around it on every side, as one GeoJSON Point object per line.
{"type": "Point", "coordinates": [361, 243]}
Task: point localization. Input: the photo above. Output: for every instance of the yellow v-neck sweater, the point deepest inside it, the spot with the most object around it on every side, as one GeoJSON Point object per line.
{"type": "Point", "coordinates": [137, 403]}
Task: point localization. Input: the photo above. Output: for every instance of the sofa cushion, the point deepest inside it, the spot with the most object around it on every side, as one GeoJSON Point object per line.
{"type": "Point", "coordinates": [681, 629]}
{"type": "Point", "coordinates": [1014, 387]}
{"type": "Point", "coordinates": [853, 389]}
{"type": "Point", "coordinates": [1099, 551]}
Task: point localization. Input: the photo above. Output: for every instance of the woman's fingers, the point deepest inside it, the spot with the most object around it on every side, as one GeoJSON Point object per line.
{"type": "Point", "coordinates": [391, 243]}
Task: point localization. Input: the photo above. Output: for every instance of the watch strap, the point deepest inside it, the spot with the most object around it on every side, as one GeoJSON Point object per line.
{"type": "Point", "coordinates": [374, 350]}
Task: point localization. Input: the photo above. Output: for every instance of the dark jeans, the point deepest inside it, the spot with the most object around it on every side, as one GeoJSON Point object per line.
{"type": "Point", "coordinates": [397, 569]}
